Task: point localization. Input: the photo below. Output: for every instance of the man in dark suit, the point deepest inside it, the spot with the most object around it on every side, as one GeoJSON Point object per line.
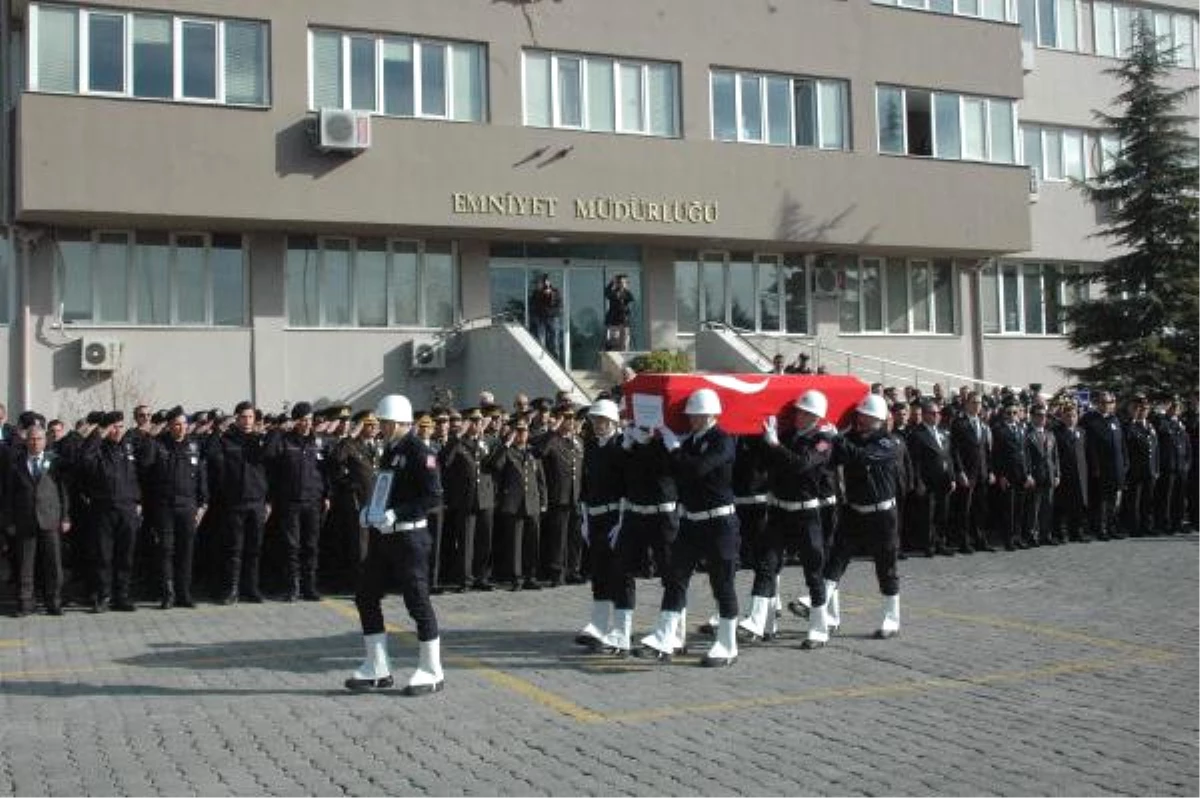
{"type": "Point", "coordinates": [39, 512]}
{"type": "Point", "coordinates": [971, 444]}
{"type": "Point", "coordinates": [1011, 466]}
{"type": "Point", "coordinates": [1108, 465]}
{"type": "Point", "coordinates": [1042, 454]}
{"type": "Point", "coordinates": [930, 448]}
{"type": "Point", "coordinates": [1071, 498]}
{"type": "Point", "coordinates": [1141, 445]}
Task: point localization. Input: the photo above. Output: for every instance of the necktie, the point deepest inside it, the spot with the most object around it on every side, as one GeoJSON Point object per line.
{"type": "Point", "coordinates": [37, 467]}
{"type": "Point", "coordinates": [975, 426]}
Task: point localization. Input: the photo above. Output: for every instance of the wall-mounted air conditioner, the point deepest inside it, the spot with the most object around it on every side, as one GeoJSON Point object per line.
{"type": "Point", "coordinates": [428, 354]}
{"type": "Point", "coordinates": [343, 131]}
{"type": "Point", "coordinates": [828, 280]}
{"type": "Point", "coordinates": [99, 354]}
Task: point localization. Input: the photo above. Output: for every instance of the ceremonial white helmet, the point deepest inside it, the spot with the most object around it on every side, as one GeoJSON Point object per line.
{"type": "Point", "coordinates": [605, 408]}
{"type": "Point", "coordinates": [394, 407]}
{"type": "Point", "coordinates": [873, 405]}
{"type": "Point", "coordinates": [813, 401]}
{"type": "Point", "coordinates": [703, 402]}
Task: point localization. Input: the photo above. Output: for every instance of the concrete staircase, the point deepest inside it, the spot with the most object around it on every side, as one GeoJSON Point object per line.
{"type": "Point", "coordinates": [592, 382]}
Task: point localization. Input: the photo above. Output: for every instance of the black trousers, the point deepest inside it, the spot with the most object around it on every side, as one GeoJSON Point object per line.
{"type": "Point", "coordinates": [752, 521]}
{"type": "Point", "coordinates": [115, 535]}
{"type": "Point", "coordinates": [717, 542]}
{"type": "Point", "coordinates": [602, 557]}
{"type": "Point", "coordinates": [437, 527]}
{"type": "Point", "coordinates": [556, 526]}
{"type": "Point", "coordinates": [243, 547]}
{"type": "Point", "coordinates": [34, 548]}
{"type": "Point", "coordinates": [1070, 513]}
{"type": "Point", "coordinates": [1138, 510]}
{"type": "Point", "coordinates": [804, 530]}
{"type": "Point", "coordinates": [873, 534]}
{"type": "Point", "coordinates": [398, 558]}
{"type": "Point", "coordinates": [968, 515]}
{"type": "Point", "coordinates": [1012, 513]}
{"type": "Point", "coordinates": [639, 532]}
{"type": "Point", "coordinates": [1166, 490]}
{"type": "Point", "coordinates": [520, 535]}
{"type": "Point", "coordinates": [931, 514]}
{"type": "Point", "coordinates": [342, 541]}
{"type": "Point", "coordinates": [300, 525]}
{"type": "Point", "coordinates": [177, 544]}
{"type": "Point", "coordinates": [1102, 510]}
{"type": "Point", "coordinates": [1039, 505]}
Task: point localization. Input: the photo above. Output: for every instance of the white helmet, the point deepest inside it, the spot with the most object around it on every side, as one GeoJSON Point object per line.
{"type": "Point", "coordinates": [873, 405]}
{"type": "Point", "coordinates": [605, 408]}
{"type": "Point", "coordinates": [813, 401]}
{"type": "Point", "coordinates": [703, 402]}
{"type": "Point", "coordinates": [394, 407]}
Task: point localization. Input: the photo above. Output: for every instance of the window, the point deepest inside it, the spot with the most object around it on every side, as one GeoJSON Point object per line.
{"type": "Point", "coordinates": [148, 56]}
{"type": "Point", "coordinates": [1063, 154]}
{"type": "Point", "coordinates": [1113, 31]}
{"type": "Point", "coordinates": [944, 125]}
{"type": "Point", "coordinates": [758, 292]}
{"type": "Point", "coordinates": [776, 109]}
{"type": "Point", "coordinates": [370, 282]}
{"type": "Point", "coordinates": [1055, 23]}
{"type": "Point", "coordinates": [152, 278]}
{"type": "Point", "coordinates": [1027, 298]}
{"type": "Point", "coordinates": [396, 75]}
{"type": "Point", "coordinates": [587, 92]}
{"type": "Point", "coordinates": [987, 9]}
{"type": "Point", "coordinates": [897, 296]}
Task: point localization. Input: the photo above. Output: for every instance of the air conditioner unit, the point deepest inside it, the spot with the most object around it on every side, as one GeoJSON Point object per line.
{"type": "Point", "coordinates": [1035, 184]}
{"type": "Point", "coordinates": [99, 354]}
{"type": "Point", "coordinates": [828, 281]}
{"type": "Point", "coordinates": [343, 131]}
{"type": "Point", "coordinates": [1027, 56]}
{"type": "Point", "coordinates": [428, 354]}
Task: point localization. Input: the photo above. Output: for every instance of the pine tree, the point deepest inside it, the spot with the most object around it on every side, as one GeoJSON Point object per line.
{"type": "Point", "coordinates": [1142, 331]}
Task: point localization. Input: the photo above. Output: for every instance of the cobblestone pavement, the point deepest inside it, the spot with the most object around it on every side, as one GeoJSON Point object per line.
{"type": "Point", "coordinates": [1068, 670]}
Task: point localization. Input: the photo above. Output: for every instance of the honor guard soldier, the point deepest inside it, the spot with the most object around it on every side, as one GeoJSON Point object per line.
{"type": "Point", "coordinates": [238, 479]}
{"type": "Point", "coordinates": [178, 499]}
{"type": "Point", "coordinates": [561, 453]}
{"type": "Point", "coordinates": [600, 512]}
{"type": "Point", "coordinates": [470, 498]}
{"type": "Point", "coordinates": [301, 490]}
{"type": "Point", "coordinates": [111, 469]}
{"type": "Point", "coordinates": [703, 467]}
{"type": "Point", "coordinates": [398, 519]}
{"type": "Point", "coordinates": [867, 455]}
{"type": "Point", "coordinates": [801, 481]}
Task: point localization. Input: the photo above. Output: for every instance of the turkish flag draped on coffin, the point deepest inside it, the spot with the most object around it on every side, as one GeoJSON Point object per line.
{"type": "Point", "coordinates": [746, 399]}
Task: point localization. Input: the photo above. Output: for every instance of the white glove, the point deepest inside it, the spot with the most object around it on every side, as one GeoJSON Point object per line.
{"type": "Point", "coordinates": [627, 438]}
{"type": "Point", "coordinates": [389, 519]}
{"type": "Point", "coordinates": [669, 439]}
{"type": "Point", "coordinates": [583, 523]}
{"type": "Point", "coordinates": [771, 431]}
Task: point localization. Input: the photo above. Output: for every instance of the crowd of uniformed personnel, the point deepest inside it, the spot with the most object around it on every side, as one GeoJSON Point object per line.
{"type": "Point", "coordinates": [545, 493]}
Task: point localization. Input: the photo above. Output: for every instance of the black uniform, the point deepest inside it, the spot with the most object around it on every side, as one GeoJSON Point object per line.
{"type": "Point", "coordinates": [562, 463]}
{"type": "Point", "coordinates": [178, 484]}
{"type": "Point", "coordinates": [353, 463]}
{"type": "Point", "coordinates": [300, 488]}
{"type": "Point", "coordinates": [1108, 465]}
{"type": "Point", "coordinates": [111, 472]}
{"type": "Point", "coordinates": [708, 529]}
{"type": "Point", "coordinates": [649, 521]}
{"type": "Point", "coordinates": [1174, 460]}
{"type": "Point", "coordinates": [402, 552]}
{"type": "Point", "coordinates": [238, 480]}
{"type": "Point", "coordinates": [971, 443]}
{"type": "Point", "coordinates": [603, 488]}
{"type": "Point", "coordinates": [1071, 497]}
{"type": "Point", "coordinates": [868, 524]}
{"type": "Point", "coordinates": [800, 485]}
{"type": "Point", "coordinates": [1011, 464]}
{"type": "Point", "coordinates": [1141, 442]}
{"type": "Point", "coordinates": [750, 494]}
{"type": "Point", "coordinates": [470, 500]}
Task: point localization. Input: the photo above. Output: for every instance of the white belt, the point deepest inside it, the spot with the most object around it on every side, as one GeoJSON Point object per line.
{"type": "Point", "coordinates": [405, 526]}
{"type": "Point", "coordinates": [601, 509]}
{"type": "Point", "coordinates": [650, 509]}
{"type": "Point", "coordinates": [783, 504]}
{"type": "Point", "coordinates": [873, 508]}
{"type": "Point", "coordinates": [758, 498]}
{"type": "Point", "coordinates": [705, 515]}
{"type": "Point", "coordinates": [829, 501]}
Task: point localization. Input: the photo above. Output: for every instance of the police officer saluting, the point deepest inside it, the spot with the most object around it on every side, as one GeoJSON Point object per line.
{"type": "Point", "coordinates": [179, 496]}
{"type": "Point", "coordinates": [399, 547]}
{"type": "Point", "coordinates": [868, 457]}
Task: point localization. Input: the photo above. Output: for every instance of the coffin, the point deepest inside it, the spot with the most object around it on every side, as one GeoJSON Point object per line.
{"type": "Point", "coordinates": [746, 399]}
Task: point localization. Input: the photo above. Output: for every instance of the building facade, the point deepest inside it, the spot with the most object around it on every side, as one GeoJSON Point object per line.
{"type": "Point", "coordinates": [180, 196]}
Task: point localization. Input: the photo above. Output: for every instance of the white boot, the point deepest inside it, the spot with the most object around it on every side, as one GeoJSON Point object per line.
{"type": "Point", "coordinates": [373, 673]}
{"type": "Point", "coordinates": [755, 624]}
{"type": "Point", "coordinates": [709, 627]}
{"type": "Point", "coordinates": [427, 678]}
{"type": "Point", "coordinates": [723, 652]}
{"type": "Point", "coordinates": [681, 633]}
{"type": "Point", "coordinates": [616, 642]}
{"type": "Point", "coordinates": [772, 628]}
{"type": "Point", "coordinates": [776, 603]}
{"type": "Point", "coordinates": [818, 629]}
{"type": "Point", "coordinates": [833, 607]}
{"type": "Point", "coordinates": [594, 632]}
{"type": "Point", "coordinates": [660, 643]}
{"type": "Point", "coordinates": [890, 627]}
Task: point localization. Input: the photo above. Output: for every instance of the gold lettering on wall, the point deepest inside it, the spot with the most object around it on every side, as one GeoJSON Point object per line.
{"type": "Point", "coordinates": [605, 209]}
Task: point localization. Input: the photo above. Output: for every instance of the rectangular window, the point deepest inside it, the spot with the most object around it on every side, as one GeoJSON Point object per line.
{"type": "Point", "coordinates": [148, 56]}
{"type": "Point", "coordinates": [1032, 295]}
{"type": "Point", "coordinates": [370, 282]}
{"type": "Point", "coordinates": [1047, 11]}
{"type": "Point", "coordinates": [1072, 143]}
{"type": "Point", "coordinates": [408, 77]}
{"type": "Point", "coordinates": [1185, 40]}
{"type": "Point", "coordinates": [795, 294]}
{"type": "Point", "coordinates": [1032, 287]}
{"type": "Point", "coordinates": [849, 310]}
{"type": "Point", "coordinates": [687, 294]}
{"type": "Point", "coordinates": [897, 295]}
{"type": "Point", "coordinates": [989, 300]}
{"type": "Point", "coordinates": [1052, 146]}
{"type": "Point", "coordinates": [889, 112]}
{"type": "Point", "coordinates": [1000, 119]}
{"type": "Point", "coordinates": [152, 278]}
{"type": "Point", "coordinates": [949, 137]}
{"type": "Point", "coordinates": [919, 276]}
{"type": "Point", "coordinates": [943, 296]}
{"type": "Point", "coordinates": [1031, 148]}
{"type": "Point", "coordinates": [712, 287]}
{"type": "Point", "coordinates": [974, 113]}
{"type": "Point", "coordinates": [871, 289]}
{"type": "Point", "coordinates": [918, 122]}
{"type": "Point", "coordinates": [1104, 28]}
{"type": "Point", "coordinates": [742, 298]}
{"type": "Point", "coordinates": [951, 126]}
{"type": "Point", "coordinates": [776, 109]}
{"type": "Point", "coordinates": [768, 292]}
{"type": "Point", "coordinates": [578, 91]}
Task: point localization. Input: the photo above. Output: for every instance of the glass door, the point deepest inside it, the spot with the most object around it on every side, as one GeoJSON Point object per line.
{"type": "Point", "coordinates": [585, 317]}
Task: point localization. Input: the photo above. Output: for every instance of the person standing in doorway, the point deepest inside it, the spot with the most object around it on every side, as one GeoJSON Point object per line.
{"type": "Point", "coordinates": [545, 316]}
{"type": "Point", "coordinates": [618, 315]}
